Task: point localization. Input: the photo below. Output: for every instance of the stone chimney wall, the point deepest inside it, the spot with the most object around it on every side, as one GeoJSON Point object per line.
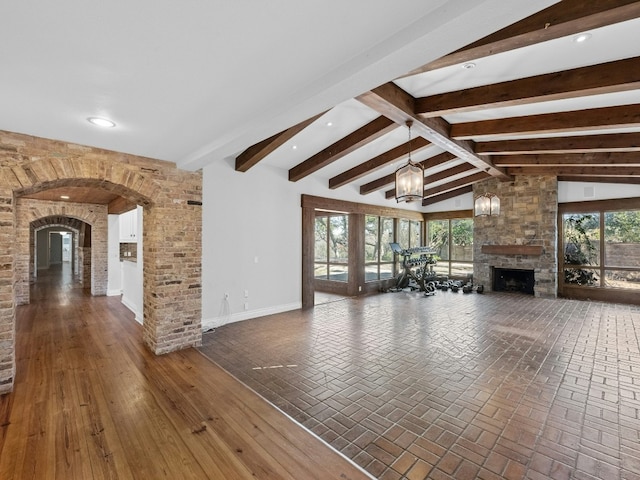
{"type": "Point", "coordinates": [528, 218]}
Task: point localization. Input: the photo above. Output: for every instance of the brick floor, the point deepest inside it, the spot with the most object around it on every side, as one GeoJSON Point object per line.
{"type": "Point", "coordinates": [456, 385]}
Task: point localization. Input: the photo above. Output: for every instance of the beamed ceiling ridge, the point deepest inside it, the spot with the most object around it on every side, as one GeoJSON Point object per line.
{"type": "Point", "coordinates": [580, 123]}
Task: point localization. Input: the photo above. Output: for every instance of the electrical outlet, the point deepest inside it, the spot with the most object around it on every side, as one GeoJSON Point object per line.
{"type": "Point", "coordinates": [246, 294]}
{"type": "Point", "coordinates": [246, 305]}
{"type": "Point", "coordinates": [226, 296]}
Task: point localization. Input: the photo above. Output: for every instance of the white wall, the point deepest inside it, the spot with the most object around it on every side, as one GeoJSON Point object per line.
{"type": "Point", "coordinates": [586, 191]}
{"type": "Point", "coordinates": [252, 235]}
{"type": "Point", "coordinates": [114, 269]}
{"type": "Point", "coordinates": [461, 202]}
{"type": "Point", "coordinates": [126, 277]}
{"type": "Point", "coordinates": [263, 224]}
{"type": "Point", "coordinates": [132, 276]}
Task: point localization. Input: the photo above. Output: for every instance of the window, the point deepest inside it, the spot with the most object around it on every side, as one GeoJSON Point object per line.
{"type": "Point", "coordinates": [332, 248]}
{"type": "Point", "coordinates": [452, 240]}
{"type": "Point", "coordinates": [602, 249]}
{"type": "Point", "coordinates": [409, 233]}
{"type": "Point", "coordinates": [378, 257]}
{"type": "Point", "coordinates": [409, 236]}
{"type": "Point", "coordinates": [581, 233]}
{"type": "Point", "coordinates": [622, 249]}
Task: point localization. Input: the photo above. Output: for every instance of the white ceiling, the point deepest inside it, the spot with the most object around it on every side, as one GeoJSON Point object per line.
{"type": "Point", "coordinates": [200, 80]}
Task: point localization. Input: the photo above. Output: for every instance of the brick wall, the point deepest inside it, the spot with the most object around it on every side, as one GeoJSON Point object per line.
{"type": "Point", "coordinates": [171, 243]}
{"type": "Point", "coordinates": [529, 212]}
{"type": "Point", "coordinates": [7, 303]}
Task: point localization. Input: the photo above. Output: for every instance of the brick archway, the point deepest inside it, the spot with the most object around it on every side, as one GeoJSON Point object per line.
{"type": "Point", "coordinates": [31, 214]}
{"type": "Point", "coordinates": [71, 225]}
{"type": "Point", "coordinates": [171, 198]}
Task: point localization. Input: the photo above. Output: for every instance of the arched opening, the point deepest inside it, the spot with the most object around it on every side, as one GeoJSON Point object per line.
{"type": "Point", "coordinates": [55, 247]}
{"type": "Point", "coordinates": [36, 173]}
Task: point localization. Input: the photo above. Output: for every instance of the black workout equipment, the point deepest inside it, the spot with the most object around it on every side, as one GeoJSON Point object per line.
{"type": "Point", "coordinates": [417, 269]}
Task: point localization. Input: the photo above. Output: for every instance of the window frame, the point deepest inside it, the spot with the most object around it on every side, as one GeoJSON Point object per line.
{"type": "Point", "coordinates": [601, 291]}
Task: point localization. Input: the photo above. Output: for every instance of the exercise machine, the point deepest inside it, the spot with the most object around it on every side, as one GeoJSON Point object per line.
{"type": "Point", "coordinates": [417, 268]}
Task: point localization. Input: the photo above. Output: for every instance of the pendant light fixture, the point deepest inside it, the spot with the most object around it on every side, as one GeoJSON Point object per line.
{"type": "Point", "coordinates": [486, 205]}
{"type": "Point", "coordinates": [409, 178]}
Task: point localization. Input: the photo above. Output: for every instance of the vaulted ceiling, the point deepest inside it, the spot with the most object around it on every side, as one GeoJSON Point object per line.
{"type": "Point", "coordinates": [555, 93]}
{"type": "Point", "coordinates": [324, 92]}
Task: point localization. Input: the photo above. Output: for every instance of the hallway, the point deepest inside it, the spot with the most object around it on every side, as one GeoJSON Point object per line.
{"type": "Point", "coordinates": [91, 402]}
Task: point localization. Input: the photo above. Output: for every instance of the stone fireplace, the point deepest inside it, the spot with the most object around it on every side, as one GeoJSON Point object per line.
{"type": "Point", "coordinates": [524, 235]}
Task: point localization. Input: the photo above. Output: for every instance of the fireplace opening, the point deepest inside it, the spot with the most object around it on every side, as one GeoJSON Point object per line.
{"type": "Point", "coordinates": [513, 280]}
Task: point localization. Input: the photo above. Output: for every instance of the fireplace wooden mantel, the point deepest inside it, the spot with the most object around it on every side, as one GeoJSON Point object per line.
{"type": "Point", "coordinates": [512, 249]}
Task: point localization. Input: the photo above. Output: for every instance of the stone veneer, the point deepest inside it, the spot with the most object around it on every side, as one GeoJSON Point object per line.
{"type": "Point", "coordinates": [528, 216]}
{"type": "Point", "coordinates": [172, 231]}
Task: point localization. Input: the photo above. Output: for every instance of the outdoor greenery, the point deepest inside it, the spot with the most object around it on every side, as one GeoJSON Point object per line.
{"type": "Point", "coordinates": [622, 227]}
{"type": "Point", "coordinates": [452, 240]}
{"type": "Point", "coordinates": [620, 232]}
{"type": "Point", "coordinates": [461, 234]}
{"type": "Point", "coordinates": [580, 232]}
{"type": "Point", "coordinates": [378, 234]}
{"type": "Point", "coordinates": [331, 247]}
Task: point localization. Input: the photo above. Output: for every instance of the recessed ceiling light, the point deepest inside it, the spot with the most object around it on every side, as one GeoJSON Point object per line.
{"type": "Point", "coordinates": [583, 37]}
{"type": "Point", "coordinates": [101, 122]}
{"type": "Point", "coordinates": [469, 65]}
{"type": "Point", "coordinates": [64, 197]}
{"type": "Point", "coordinates": [329, 124]}
{"type": "Point", "coordinates": [295, 147]}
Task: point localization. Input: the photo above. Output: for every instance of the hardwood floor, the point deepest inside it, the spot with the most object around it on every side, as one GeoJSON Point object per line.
{"type": "Point", "coordinates": [90, 402]}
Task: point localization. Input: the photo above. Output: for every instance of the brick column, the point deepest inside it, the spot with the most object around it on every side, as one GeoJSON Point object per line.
{"type": "Point", "coordinates": [172, 276]}
{"type": "Point", "coordinates": [7, 304]}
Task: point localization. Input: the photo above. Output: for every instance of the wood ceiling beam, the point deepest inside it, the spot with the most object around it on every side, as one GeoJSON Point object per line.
{"type": "Point", "coordinates": [446, 196]}
{"type": "Point", "coordinates": [559, 20]}
{"type": "Point", "coordinates": [577, 171]}
{"type": "Point", "coordinates": [610, 77]}
{"type": "Point", "coordinates": [370, 166]}
{"type": "Point", "coordinates": [366, 134]}
{"type": "Point", "coordinates": [596, 159]}
{"type": "Point", "coordinates": [382, 182]}
{"type": "Point", "coordinates": [453, 173]}
{"type": "Point", "coordinates": [628, 180]}
{"type": "Point", "coordinates": [252, 155]}
{"type": "Point", "coordinates": [394, 103]}
{"type": "Point", "coordinates": [574, 121]}
{"type": "Point", "coordinates": [462, 182]}
{"type": "Point", "coordinates": [618, 142]}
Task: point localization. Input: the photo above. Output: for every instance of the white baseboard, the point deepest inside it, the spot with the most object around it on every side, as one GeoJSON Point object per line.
{"type": "Point", "coordinates": [132, 307]}
{"type": "Point", "coordinates": [211, 323]}
{"type": "Point", "coordinates": [113, 293]}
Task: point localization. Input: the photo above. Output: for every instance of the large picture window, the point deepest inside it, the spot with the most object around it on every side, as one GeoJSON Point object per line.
{"type": "Point", "coordinates": [601, 249]}
{"type": "Point", "coordinates": [332, 248]}
{"type": "Point", "coordinates": [452, 240]}
{"type": "Point", "coordinates": [378, 257]}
